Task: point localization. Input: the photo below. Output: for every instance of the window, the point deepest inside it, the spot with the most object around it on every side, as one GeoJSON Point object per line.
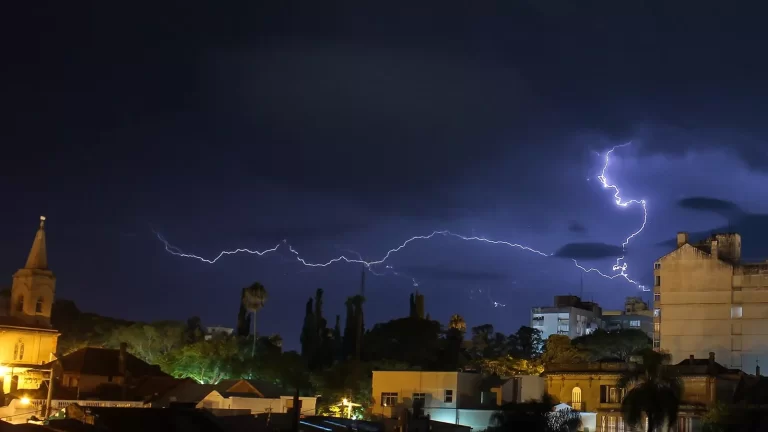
{"type": "Point", "coordinates": [657, 343]}
{"type": "Point", "coordinates": [419, 397]}
{"type": "Point", "coordinates": [656, 327]}
{"type": "Point", "coordinates": [621, 424]}
{"type": "Point", "coordinates": [634, 323]}
{"type": "Point", "coordinates": [20, 304]}
{"type": "Point", "coordinates": [657, 281]}
{"type": "Point", "coordinates": [657, 312]}
{"type": "Point", "coordinates": [736, 311]}
{"type": "Point", "coordinates": [611, 394]}
{"type": "Point", "coordinates": [388, 399]}
{"type": "Point", "coordinates": [657, 266]}
{"type": "Point", "coordinates": [576, 399]}
{"type": "Point", "coordinates": [448, 398]}
{"type": "Point", "coordinates": [39, 305]}
{"type": "Point", "coordinates": [18, 350]}
{"type": "Point", "coordinates": [657, 297]}
{"type": "Point", "coordinates": [611, 424]}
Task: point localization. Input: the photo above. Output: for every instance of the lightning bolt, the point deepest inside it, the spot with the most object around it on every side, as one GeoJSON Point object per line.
{"type": "Point", "coordinates": [620, 266]}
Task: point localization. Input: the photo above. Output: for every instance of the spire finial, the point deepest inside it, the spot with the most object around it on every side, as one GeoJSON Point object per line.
{"type": "Point", "coordinates": [42, 222]}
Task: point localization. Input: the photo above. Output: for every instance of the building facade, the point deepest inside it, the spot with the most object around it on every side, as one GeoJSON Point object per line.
{"type": "Point", "coordinates": [591, 388]}
{"type": "Point", "coordinates": [569, 316]}
{"type": "Point", "coordinates": [27, 339]}
{"type": "Point", "coordinates": [461, 398]}
{"type": "Point", "coordinates": [707, 300]}
{"type": "Point", "coordinates": [635, 315]}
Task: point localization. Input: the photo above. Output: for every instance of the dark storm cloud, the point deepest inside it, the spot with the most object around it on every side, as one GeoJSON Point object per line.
{"type": "Point", "coordinates": [753, 228]}
{"type": "Point", "coordinates": [442, 273]}
{"type": "Point", "coordinates": [589, 251]}
{"type": "Point", "coordinates": [576, 227]}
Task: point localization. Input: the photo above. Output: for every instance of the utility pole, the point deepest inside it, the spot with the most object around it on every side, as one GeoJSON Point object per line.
{"type": "Point", "coordinates": [50, 395]}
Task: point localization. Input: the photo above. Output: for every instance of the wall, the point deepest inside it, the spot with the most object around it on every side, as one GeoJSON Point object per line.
{"type": "Point", "coordinates": [257, 405]}
{"type": "Point", "coordinates": [477, 419]}
{"type": "Point", "coordinates": [38, 346]}
{"type": "Point", "coordinates": [695, 306]}
{"type": "Point", "coordinates": [87, 383]}
{"type": "Point", "coordinates": [405, 383]}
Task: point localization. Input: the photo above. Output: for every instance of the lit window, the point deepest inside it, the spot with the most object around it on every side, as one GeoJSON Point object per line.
{"type": "Point", "coordinates": [657, 312]}
{"type": "Point", "coordinates": [634, 323]}
{"type": "Point", "coordinates": [576, 399]}
{"type": "Point", "coordinates": [736, 311]}
{"type": "Point", "coordinates": [657, 343]}
{"type": "Point", "coordinates": [657, 281]}
{"type": "Point", "coordinates": [657, 297]}
{"type": "Point", "coordinates": [448, 396]}
{"type": "Point", "coordinates": [18, 350]}
{"type": "Point", "coordinates": [657, 327]}
{"type": "Point", "coordinates": [388, 399]}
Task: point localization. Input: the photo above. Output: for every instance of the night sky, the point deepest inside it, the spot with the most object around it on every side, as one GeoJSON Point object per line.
{"type": "Point", "coordinates": [347, 128]}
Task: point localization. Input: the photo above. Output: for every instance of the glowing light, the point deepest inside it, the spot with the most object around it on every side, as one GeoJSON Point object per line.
{"type": "Point", "coordinates": [620, 266]}
{"type": "Point", "coordinates": [24, 400]}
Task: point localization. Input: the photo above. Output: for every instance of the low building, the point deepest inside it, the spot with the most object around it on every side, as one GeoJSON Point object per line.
{"type": "Point", "coordinates": [461, 398]}
{"type": "Point", "coordinates": [570, 316]}
{"type": "Point", "coordinates": [258, 397]}
{"type": "Point", "coordinates": [591, 389]}
{"type": "Point", "coordinates": [89, 370]}
{"type": "Point", "coordinates": [211, 332]}
{"type": "Point", "coordinates": [635, 315]}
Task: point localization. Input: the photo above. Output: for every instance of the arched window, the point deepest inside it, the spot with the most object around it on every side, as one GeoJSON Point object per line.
{"type": "Point", "coordinates": [39, 305]}
{"type": "Point", "coordinates": [20, 304]}
{"type": "Point", "coordinates": [18, 350]}
{"type": "Point", "coordinates": [576, 398]}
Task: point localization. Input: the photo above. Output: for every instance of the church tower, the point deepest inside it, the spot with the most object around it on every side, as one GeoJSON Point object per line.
{"type": "Point", "coordinates": [34, 285]}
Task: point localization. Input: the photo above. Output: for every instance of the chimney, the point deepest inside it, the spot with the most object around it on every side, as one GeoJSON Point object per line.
{"type": "Point", "coordinates": [690, 359]}
{"type": "Point", "coordinates": [682, 238]}
{"type": "Point", "coordinates": [713, 251]}
{"type": "Point", "coordinates": [711, 359]}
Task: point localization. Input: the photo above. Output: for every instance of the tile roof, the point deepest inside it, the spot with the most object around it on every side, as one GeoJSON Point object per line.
{"type": "Point", "coordinates": [105, 362]}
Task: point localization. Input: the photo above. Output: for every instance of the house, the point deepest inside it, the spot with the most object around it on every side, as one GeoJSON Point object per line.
{"type": "Point", "coordinates": [258, 397]}
{"type": "Point", "coordinates": [591, 389]}
{"type": "Point", "coordinates": [460, 398]}
{"type": "Point", "coordinates": [570, 316]}
{"type": "Point", "coordinates": [27, 339]}
{"type": "Point", "coordinates": [86, 370]}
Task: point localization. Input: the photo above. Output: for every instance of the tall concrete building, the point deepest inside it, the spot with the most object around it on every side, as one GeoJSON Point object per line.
{"type": "Point", "coordinates": [707, 300]}
{"type": "Point", "coordinates": [569, 316]}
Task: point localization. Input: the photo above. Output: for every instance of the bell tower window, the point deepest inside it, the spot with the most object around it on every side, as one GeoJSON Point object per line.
{"type": "Point", "coordinates": [18, 350]}
{"type": "Point", "coordinates": [20, 304]}
{"type": "Point", "coordinates": [39, 305]}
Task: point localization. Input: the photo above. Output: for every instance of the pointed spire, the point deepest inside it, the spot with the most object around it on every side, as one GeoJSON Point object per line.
{"type": "Point", "coordinates": [38, 256]}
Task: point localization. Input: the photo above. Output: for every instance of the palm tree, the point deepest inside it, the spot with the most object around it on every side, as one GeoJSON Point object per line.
{"type": "Point", "coordinates": [458, 323]}
{"type": "Point", "coordinates": [254, 298]}
{"type": "Point", "coordinates": [653, 389]}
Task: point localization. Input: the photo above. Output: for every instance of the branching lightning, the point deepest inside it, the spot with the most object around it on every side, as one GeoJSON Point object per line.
{"type": "Point", "coordinates": [620, 266]}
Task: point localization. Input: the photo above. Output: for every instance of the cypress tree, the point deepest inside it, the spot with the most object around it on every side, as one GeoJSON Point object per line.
{"type": "Point", "coordinates": [309, 333]}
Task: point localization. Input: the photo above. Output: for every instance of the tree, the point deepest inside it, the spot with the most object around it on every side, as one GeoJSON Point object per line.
{"type": "Point", "coordinates": [527, 342]}
{"type": "Point", "coordinates": [413, 341]}
{"type": "Point", "coordinates": [558, 349]}
{"type": "Point", "coordinates": [716, 419]}
{"type": "Point", "coordinates": [509, 366]}
{"type": "Point", "coordinates": [535, 416]}
{"type": "Point", "coordinates": [617, 344]}
{"type": "Point", "coordinates": [652, 389]}
{"type": "Point", "coordinates": [458, 323]}
{"type": "Point", "coordinates": [206, 361]}
{"type": "Point", "coordinates": [309, 342]}
{"type": "Point", "coordinates": [254, 298]}
{"type": "Point", "coordinates": [150, 342]}
{"type": "Point", "coordinates": [194, 330]}
{"type": "Point", "coordinates": [243, 318]}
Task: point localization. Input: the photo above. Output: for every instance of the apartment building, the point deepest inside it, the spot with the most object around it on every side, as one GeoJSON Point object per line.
{"type": "Point", "coordinates": [707, 300]}
{"type": "Point", "coordinates": [570, 316]}
{"type": "Point", "coordinates": [635, 315]}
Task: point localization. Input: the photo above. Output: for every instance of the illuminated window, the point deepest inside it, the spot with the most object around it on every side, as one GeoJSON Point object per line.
{"type": "Point", "coordinates": [576, 398]}
{"type": "Point", "coordinates": [634, 323]}
{"type": "Point", "coordinates": [20, 304]}
{"type": "Point", "coordinates": [736, 311]}
{"type": "Point", "coordinates": [448, 396]}
{"type": "Point", "coordinates": [657, 327]}
{"type": "Point", "coordinates": [611, 424]}
{"type": "Point", "coordinates": [657, 312]}
{"type": "Point", "coordinates": [657, 343]}
{"type": "Point", "coordinates": [39, 305]}
{"type": "Point", "coordinates": [388, 399]}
